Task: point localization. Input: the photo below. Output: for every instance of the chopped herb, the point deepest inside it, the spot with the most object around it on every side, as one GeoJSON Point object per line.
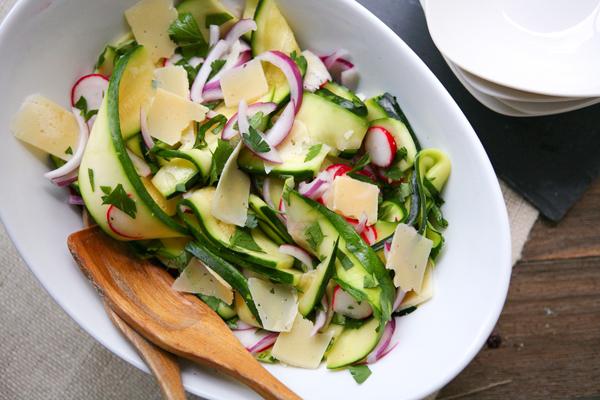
{"type": "Point", "coordinates": [406, 311]}
{"type": "Point", "coordinates": [255, 141]}
{"type": "Point", "coordinates": [82, 106]}
{"type": "Point", "coordinates": [272, 291]}
{"type": "Point", "coordinates": [218, 122]}
{"type": "Point", "coordinates": [348, 322]}
{"type": "Point", "coordinates": [232, 323]}
{"type": "Point", "coordinates": [288, 186]}
{"type": "Point", "coordinates": [69, 151]}
{"type": "Point", "coordinates": [119, 198]}
{"type": "Point", "coordinates": [346, 262]}
{"type": "Point", "coordinates": [394, 172]}
{"type": "Point", "coordinates": [314, 236]}
{"type": "Point", "coordinates": [313, 151]}
{"type": "Point", "coordinates": [191, 71]}
{"type": "Point", "coordinates": [437, 218]}
{"type": "Point", "coordinates": [210, 301]}
{"type": "Point", "coordinates": [220, 157]}
{"type": "Point", "coordinates": [370, 282]}
{"type": "Point", "coordinates": [102, 56]}
{"type": "Point", "coordinates": [216, 66]}
{"type": "Point", "coordinates": [361, 163]}
{"type": "Point", "coordinates": [360, 373]}
{"type": "Point", "coordinates": [251, 220]}
{"type": "Point", "coordinates": [185, 32]}
{"type": "Point", "coordinates": [106, 189]}
{"type": "Point", "coordinates": [300, 61]}
{"type": "Point", "coordinates": [361, 177]}
{"type": "Point", "coordinates": [217, 19]}
{"type": "Point", "coordinates": [91, 177]}
{"type": "Point", "coordinates": [243, 238]}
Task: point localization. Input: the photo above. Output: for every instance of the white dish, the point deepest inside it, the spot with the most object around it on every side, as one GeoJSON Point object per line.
{"type": "Point", "coordinates": [536, 46]}
{"type": "Point", "coordinates": [46, 46]}
{"type": "Point", "coordinates": [539, 109]}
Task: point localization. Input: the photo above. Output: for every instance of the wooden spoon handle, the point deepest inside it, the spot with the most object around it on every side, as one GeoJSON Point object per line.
{"type": "Point", "coordinates": [163, 365]}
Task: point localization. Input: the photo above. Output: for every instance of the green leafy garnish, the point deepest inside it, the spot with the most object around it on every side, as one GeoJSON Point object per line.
{"type": "Point", "coordinates": [91, 178]}
{"type": "Point", "coordinates": [361, 163]}
{"type": "Point", "coordinates": [218, 122]}
{"type": "Point", "coordinates": [217, 19]}
{"type": "Point", "coordinates": [220, 157]}
{"type": "Point", "coordinates": [251, 220]}
{"type": "Point", "coordinates": [255, 141]}
{"type": "Point", "coordinates": [185, 32]}
{"type": "Point", "coordinates": [82, 106]}
{"type": "Point", "coordinates": [346, 262]}
{"type": "Point", "coordinates": [348, 322]}
{"type": "Point", "coordinates": [243, 238]}
{"type": "Point", "coordinates": [215, 67]}
{"type": "Point", "coordinates": [266, 357]}
{"type": "Point", "coordinates": [314, 236]}
{"type": "Point", "coordinates": [119, 198]}
{"type": "Point", "coordinates": [406, 311]}
{"type": "Point", "coordinates": [313, 151]}
{"type": "Point", "coordinates": [360, 373]}
{"type": "Point", "coordinates": [69, 151]}
{"type": "Point", "coordinates": [394, 172]}
{"type": "Point", "coordinates": [300, 61]}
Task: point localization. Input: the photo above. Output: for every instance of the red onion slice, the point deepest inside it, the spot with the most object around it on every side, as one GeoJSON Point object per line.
{"type": "Point", "coordinates": [66, 180]}
{"type": "Point", "coordinates": [398, 300]}
{"type": "Point", "coordinates": [76, 200]}
{"type": "Point", "coordinates": [212, 94]}
{"type": "Point", "coordinates": [291, 72]}
{"type": "Point", "coordinates": [213, 35]}
{"type": "Point", "coordinates": [266, 192]}
{"type": "Point", "coordinates": [238, 30]}
{"type": "Point", "coordinates": [229, 131]}
{"type": "Point", "coordinates": [75, 160]}
{"type": "Point", "coordinates": [282, 128]}
{"type": "Point", "coordinates": [148, 141]}
{"type": "Point", "coordinates": [244, 57]}
{"type": "Point", "coordinates": [263, 344]}
{"type": "Point", "coordinates": [230, 62]}
{"type": "Point", "coordinates": [384, 342]}
{"type": "Point", "coordinates": [334, 57]}
{"type": "Point", "coordinates": [320, 320]}
{"type": "Point", "coordinates": [298, 253]}
{"type": "Point", "coordinates": [349, 78]}
{"type": "Point", "coordinates": [141, 166]}
{"type": "Point", "coordinates": [198, 86]}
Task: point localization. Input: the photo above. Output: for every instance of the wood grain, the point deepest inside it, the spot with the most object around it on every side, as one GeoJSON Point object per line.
{"type": "Point", "coordinates": [140, 293]}
{"type": "Point", "coordinates": [550, 326]}
{"type": "Point", "coordinates": [163, 365]}
{"type": "Point", "coordinates": [578, 235]}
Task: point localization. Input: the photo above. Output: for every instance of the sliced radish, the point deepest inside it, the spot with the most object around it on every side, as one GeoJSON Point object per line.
{"type": "Point", "coordinates": [122, 224]}
{"type": "Point", "coordinates": [381, 146]}
{"type": "Point", "coordinates": [92, 88]}
{"type": "Point", "coordinates": [369, 235]}
{"type": "Point", "coordinates": [343, 303]}
{"type": "Point", "coordinates": [298, 253]}
{"type": "Point", "coordinates": [229, 131]}
{"type": "Point", "coordinates": [338, 170]}
{"type": "Point", "coordinates": [264, 343]}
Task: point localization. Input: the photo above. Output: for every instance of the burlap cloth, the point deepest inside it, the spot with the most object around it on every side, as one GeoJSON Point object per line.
{"type": "Point", "coordinates": [44, 355]}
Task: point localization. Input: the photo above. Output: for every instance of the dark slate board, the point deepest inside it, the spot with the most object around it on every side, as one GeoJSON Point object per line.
{"type": "Point", "coordinates": [549, 160]}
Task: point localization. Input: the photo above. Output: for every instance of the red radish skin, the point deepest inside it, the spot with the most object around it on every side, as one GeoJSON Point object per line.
{"type": "Point", "coordinates": [343, 303]}
{"type": "Point", "coordinates": [113, 214]}
{"type": "Point", "coordinates": [92, 87]}
{"type": "Point", "coordinates": [381, 146]}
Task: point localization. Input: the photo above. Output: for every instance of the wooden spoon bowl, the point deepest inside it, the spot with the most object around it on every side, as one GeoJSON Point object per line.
{"type": "Point", "coordinates": [140, 293]}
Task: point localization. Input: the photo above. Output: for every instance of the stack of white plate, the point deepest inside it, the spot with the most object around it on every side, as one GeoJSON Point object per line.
{"type": "Point", "coordinates": [521, 57]}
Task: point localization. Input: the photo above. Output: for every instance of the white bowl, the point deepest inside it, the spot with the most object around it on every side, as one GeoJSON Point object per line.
{"type": "Point", "coordinates": [45, 46]}
{"type": "Point", "coordinates": [538, 46]}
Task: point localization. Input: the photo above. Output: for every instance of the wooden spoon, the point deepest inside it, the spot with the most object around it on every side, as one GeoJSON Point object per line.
{"type": "Point", "coordinates": [140, 293]}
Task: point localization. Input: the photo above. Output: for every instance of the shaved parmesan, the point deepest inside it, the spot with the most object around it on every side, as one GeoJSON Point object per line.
{"type": "Point", "coordinates": [298, 348]}
{"type": "Point", "coordinates": [408, 257]}
{"type": "Point", "coordinates": [173, 79]}
{"type": "Point", "coordinates": [230, 202]}
{"type": "Point", "coordinates": [247, 82]}
{"type": "Point", "coordinates": [412, 298]}
{"type": "Point", "coordinates": [198, 278]}
{"type": "Point", "coordinates": [46, 125]}
{"type": "Point", "coordinates": [150, 21]}
{"type": "Point", "coordinates": [170, 114]}
{"type": "Point", "coordinates": [277, 305]}
{"type": "Point", "coordinates": [353, 198]}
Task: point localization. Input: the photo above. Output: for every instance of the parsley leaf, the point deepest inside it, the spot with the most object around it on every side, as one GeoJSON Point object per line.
{"type": "Point", "coordinates": [216, 66]}
{"type": "Point", "coordinates": [220, 157]}
{"type": "Point", "coordinates": [346, 262]}
{"type": "Point", "coordinates": [242, 238]}
{"type": "Point", "coordinates": [82, 106]}
{"type": "Point", "coordinates": [266, 357]}
{"type": "Point", "coordinates": [69, 151]}
{"type": "Point", "coordinates": [394, 172]}
{"type": "Point", "coordinates": [361, 163]}
{"type": "Point", "coordinates": [251, 220]}
{"type": "Point", "coordinates": [216, 19]}
{"type": "Point", "coordinates": [314, 236]}
{"type": "Point", "coordinates": [360, 373]}
{"type": "Point", "coordinates": [218, 122]}
{"type": "Point", "coordinates": [404, 312]}
{"type": "Point", "coordinates": [300, 61]}
{"type": "Point", "coordinates": [119, 198]}
{"type": "Point", "coordinates": [91, 177]}
{"type": "Point", "coordinates": [185, 32]}
{"type": "Point", "coordinates": [255, 141]}
{"type": "Point", "coordinates": [313, 151]}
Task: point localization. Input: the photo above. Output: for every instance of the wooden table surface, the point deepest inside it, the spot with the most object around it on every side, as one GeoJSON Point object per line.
{"type": "Point", "coordinates": [546, 344]}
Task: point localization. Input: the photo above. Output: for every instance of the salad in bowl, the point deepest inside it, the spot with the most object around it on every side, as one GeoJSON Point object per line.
{"type": "Point", "coordinates": [306, 215]}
